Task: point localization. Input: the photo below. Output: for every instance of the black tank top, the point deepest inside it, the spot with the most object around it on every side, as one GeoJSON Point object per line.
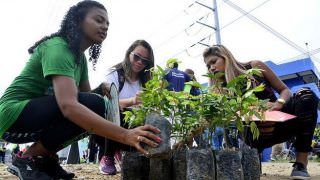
{"type": "Point", "coordinates": [268, 92]}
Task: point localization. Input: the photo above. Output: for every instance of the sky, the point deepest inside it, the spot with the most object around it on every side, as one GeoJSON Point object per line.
{"type": "Point", "coordinates": [167, 26]}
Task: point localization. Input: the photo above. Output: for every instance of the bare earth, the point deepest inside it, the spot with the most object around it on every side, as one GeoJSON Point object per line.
{"type": "Point", "coordinates": [90, 171]}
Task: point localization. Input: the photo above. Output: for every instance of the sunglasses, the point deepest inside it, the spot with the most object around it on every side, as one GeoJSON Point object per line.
{"type": "Point", "coordinates": [137, 58]}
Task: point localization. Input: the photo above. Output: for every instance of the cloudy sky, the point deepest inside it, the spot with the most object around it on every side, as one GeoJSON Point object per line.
{"type": "Point", "coordinates": [171, 28]}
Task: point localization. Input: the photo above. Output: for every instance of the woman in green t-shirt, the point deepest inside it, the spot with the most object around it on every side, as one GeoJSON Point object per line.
{"type": "Point", "coordinates": [49, 102]}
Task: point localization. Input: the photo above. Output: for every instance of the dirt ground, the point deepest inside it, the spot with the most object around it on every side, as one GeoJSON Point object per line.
{"type": "Point", "coordinates": [90, 171]}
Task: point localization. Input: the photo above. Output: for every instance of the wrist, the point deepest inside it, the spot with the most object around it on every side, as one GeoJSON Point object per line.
{"type": "Point", "coordinates": [124, 137]}
{"type": "Point", "coordinates": [281, 101]}
{"type": "Point", "coordinates": [133, 101]}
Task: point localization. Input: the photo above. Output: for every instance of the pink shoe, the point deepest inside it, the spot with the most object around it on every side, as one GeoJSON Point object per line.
{"type": "Point", "coordinates": [107, 165]}
{"type": "Point", "coordinates": [118, 156]}
{"type": "Point", "coordinates": [118, 162]}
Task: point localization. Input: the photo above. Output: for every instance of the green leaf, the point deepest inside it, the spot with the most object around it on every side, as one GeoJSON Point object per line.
{"type": "Point", "coordinates": [248, 94]}
{"type": "Point", "coordinates": [249, 83]}
{"type": "Point", "coordinates": [255, 71]}
{"type": "Point", "coordinates": [254, 130]}
{"type": "Point", "coordinates": [259, 88]}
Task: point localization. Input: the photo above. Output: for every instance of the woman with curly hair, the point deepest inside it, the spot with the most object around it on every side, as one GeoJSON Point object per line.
{"type": "Point", "coordinates": [129, 76]}
{"type": "Point", "coordinates": [50, 102]}
{"type": "Point", "coordinates": [303, 104]}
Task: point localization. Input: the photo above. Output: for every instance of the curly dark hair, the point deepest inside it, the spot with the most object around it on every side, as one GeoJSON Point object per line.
{"type": "Point", "coordinates": [145, 74]}
{"type": "Point", "coordinates": [71, 31]}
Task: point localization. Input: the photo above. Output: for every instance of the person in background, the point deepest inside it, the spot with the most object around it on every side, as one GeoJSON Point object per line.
{"type": "Point", "coordinates": [275, 151]}
{"type": "Point", "coordinates": [2, 153]}
{"type": "Point", "coordinates": [92, 149]}
{"type": "Point", "coordinates": [217, 138]}
{"type": "Point", "coordinates": [194, 90]}
{"type": "Point", "coordinates": [303, 104]}
{"type": "Point", "coordinates": [50, 103]}
{"type": "Point", "coordinates": [16, 149]}
{"type": "Point", "coordinates": [130, 77]}
{"type": "Point", "coordinates": [175, 77]}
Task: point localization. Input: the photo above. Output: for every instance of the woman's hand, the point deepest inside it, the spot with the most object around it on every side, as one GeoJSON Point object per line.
{"type": "Point", "coordinates": [144, 134]}
{"type": "Point", "coordinates": [137, 98]}
{"type": "Point", "coordinates": [274, 106]}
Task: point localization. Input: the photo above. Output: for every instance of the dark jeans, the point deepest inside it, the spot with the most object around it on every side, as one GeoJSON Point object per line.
{"type": "Point", "coordinates": [93, 147]}
{"type": "Point", "coordinates": [304, 106]}
{"type": "Point", "coordinates": [2, 156]}
{"type": "Point", "coordinates": [41, 120]}
{"type": "Point", "coordinates": [109, 147]}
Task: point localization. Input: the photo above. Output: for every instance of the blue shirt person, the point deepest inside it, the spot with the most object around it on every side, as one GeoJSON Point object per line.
{"type": "Point", "coordinates": [176, 78]}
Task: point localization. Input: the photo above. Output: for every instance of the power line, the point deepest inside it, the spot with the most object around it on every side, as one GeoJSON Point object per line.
{"type": "Point", "coordinates": [51, 7]}
{"type": "Point", "coordinates": [186, 49]}
{"type": "Point", "coordinates": [178, 33]}
{"type": "Point", "coordinates": [185, 29]}
{"type": "Point", "coordinates": [265, 26]}
{"type": "Point", "coordinates": [228, 24]}
{"type": "Point", "coordinates": [184, 11]}
{"type": "Point", "coordinates": [309, 53]}
{"type": "Point", "coordinates": [243, 15]}
{"type": "Point", "coordinates": [268, 28]}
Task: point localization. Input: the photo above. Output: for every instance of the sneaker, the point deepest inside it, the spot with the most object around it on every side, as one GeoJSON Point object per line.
{"type": "Point", "coordinates": [118, 156]}
{"type": "Point", "coordinates": [107, 165]}
{"type": "Point", "coordinates": [52, 167]}
{"type": "Point", "coordinates": [299, 171]}
{"type": "Point", "coordinates": [27, 169]}
{"type": "Point", "coordinates": [118, 162]}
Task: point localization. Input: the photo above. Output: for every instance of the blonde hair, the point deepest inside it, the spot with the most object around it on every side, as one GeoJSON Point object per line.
{"type": "Point", "coordinates": [233, 68]}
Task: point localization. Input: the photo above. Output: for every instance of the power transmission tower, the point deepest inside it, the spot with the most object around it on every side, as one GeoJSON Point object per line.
{"type": "Point", "coordinates": [216, 26]}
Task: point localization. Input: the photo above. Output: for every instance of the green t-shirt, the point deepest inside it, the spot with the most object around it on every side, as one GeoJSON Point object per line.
{"type": "Point", "coordinates": [52, 57]}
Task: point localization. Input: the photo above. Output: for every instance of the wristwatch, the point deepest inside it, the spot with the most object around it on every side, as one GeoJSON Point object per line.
{"type": "Point", "coordinates": [281, 101]}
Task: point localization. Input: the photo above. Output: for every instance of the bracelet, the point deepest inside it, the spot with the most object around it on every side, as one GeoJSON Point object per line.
{"type": "Point", "coordinates": [281, 101]}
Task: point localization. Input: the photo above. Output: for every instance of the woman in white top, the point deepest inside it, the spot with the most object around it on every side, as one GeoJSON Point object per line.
{"type": "Point", "coordinates": [133, 71]}
{"type": "Point", "coordinates": [129, 76]}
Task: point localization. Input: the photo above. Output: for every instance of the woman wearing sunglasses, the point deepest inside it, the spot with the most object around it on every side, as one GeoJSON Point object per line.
{"type": "Point", "coordinates": [134, 69]}
{"type": "Point", "coordinates": [129, 76]}
{"type": "Point", "coordinates": [50, 103]}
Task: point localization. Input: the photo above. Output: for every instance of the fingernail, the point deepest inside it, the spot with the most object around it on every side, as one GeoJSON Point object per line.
{"type": "Point", "coordinates": [155, 144]}
{"type": "Point", "coordinates": [159, 130]}
{"type": "Point", "coordinates": [158, 139]}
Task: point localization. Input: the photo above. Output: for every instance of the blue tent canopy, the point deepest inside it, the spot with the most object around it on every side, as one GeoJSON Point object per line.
{"type": "Point", "coordinates": [293, 67]}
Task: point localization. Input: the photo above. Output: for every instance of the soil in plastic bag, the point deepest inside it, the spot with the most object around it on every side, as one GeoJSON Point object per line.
{"type": "Point", "coordinates": [179, 163]}
{"type": "Point", "coordinates": [200, 164]}
{"type": "Point", "coordinates": [250, 163]}
{"type": "Point", "coordinates": [163, 150]}
{"type": "Point", "coordinates": [160, 169]}
{"type": "Point", "coordinates": [135, 166]}
{"type": "Point", "coordinates": [228, 165]}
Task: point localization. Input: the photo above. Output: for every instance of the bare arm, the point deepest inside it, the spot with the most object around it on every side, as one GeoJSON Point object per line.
{"type": "Point", "coordinates": [66, 95]}
{"type": "Point", "coordinates": [85, 86]}
{"type": "Point", "coordinates": [126, 102]}
{"type": "Point", "coordinates": [274, 80]}
{"type": "Point", "coordinates": [131, 101]}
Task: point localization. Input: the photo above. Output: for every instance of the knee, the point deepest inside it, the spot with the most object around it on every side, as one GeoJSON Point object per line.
{"type": "Point", "coordinates": [306, 98]}
{"type": "Point", "coordinates": [93, 101]}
